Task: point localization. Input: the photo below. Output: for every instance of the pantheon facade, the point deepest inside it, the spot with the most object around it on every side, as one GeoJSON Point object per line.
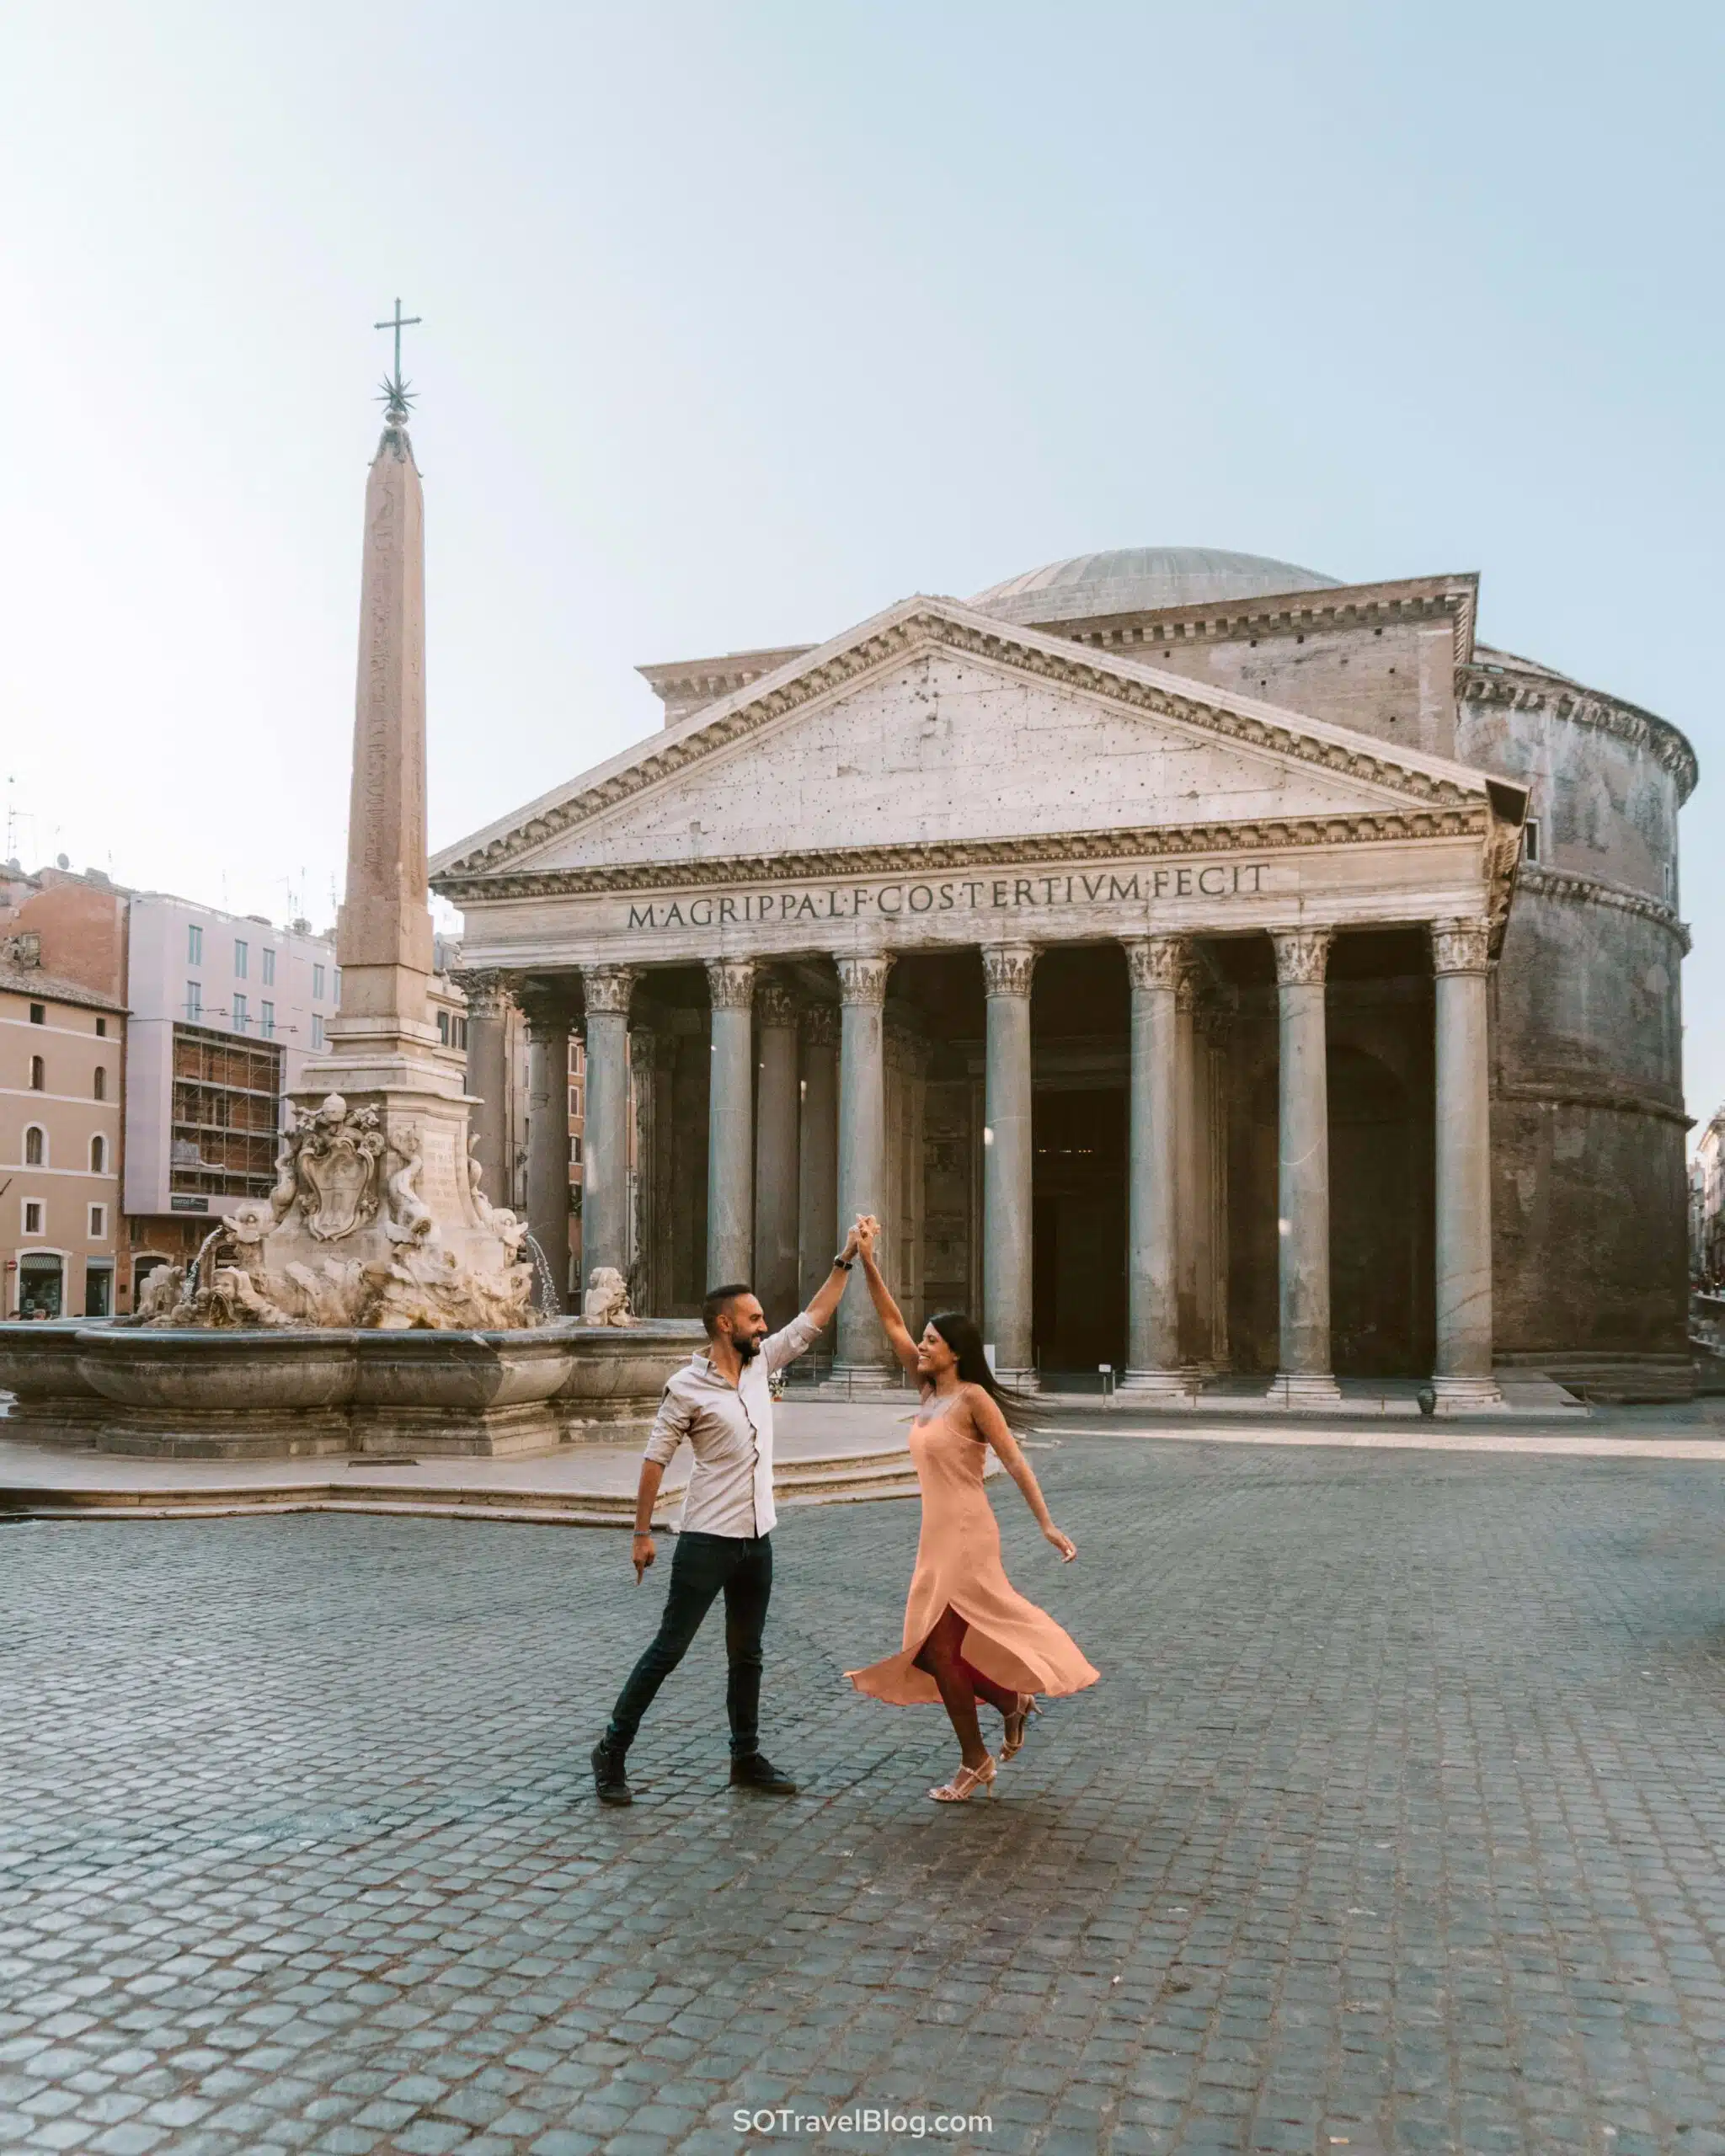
{"type": "Point", "coordinates": [1202, 968]}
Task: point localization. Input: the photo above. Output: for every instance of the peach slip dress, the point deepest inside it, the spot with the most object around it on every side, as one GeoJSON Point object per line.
{"type": "Point", "coordinates": [958, 1564]}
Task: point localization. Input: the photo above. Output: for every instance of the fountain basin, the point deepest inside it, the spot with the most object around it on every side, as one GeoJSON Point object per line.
{"type": "Point", "coordinates": [194, 1394]}
{"type": "Point", "coordinates": [280, 1392]}
{"type": "Point", "coordinates": [435, 1392]}
{"type": "Point", "coordinates": [618, 1373]}
{"type": "Point", "coordinates": [55, 1404]}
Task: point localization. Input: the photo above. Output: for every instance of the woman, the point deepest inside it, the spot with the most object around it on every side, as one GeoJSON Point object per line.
{"type": "Point", "coordinates": [967, 1633]}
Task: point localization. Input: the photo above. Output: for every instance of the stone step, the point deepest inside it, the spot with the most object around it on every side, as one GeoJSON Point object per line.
{"type": "Point", "coordinates": [839, 1478]}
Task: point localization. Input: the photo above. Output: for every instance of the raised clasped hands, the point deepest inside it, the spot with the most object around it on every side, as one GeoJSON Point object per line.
{"type": "Point", "coordinates": [865, 1235]}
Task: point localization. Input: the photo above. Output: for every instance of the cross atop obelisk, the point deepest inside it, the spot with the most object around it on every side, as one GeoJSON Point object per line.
{"type": "Point", "coordinates": [397, 396]}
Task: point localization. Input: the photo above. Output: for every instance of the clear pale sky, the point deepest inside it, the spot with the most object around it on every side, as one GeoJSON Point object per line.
{"type": "Point", "coordinates": [742, 322]}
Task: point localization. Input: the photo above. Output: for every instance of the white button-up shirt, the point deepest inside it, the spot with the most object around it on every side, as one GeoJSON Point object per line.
{"type": "Point", "coordinates": [729, 1427]}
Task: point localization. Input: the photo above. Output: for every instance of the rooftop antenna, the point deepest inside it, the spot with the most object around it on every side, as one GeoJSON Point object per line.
{"type": "Point", "coordinates": [11, 817]}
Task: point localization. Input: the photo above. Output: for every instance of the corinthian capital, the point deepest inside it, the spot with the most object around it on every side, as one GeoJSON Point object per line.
{"type": "Point", "coordinates": [549, 1007]}
{"type": "Point", "coordinates": [1460, 947]}
{"type": "Point", "coordinates": [731, 982]}
{"type": "Point", "coordinates": [863, 978]}
{"type": "Point", "coordinates": [487, 991]}
{"type": "Point", "coordinates": [1156, 961]}
{"type": "Point", "coordinates": [821, 1025]}
{"type": "Point", "coordinates": [1006, 968]}
{"type": "Point", "coordinates": [608, 987]}
{"type": "Point", "coordinates": [775, 1004]}
{"type": "Point", "coordinates": [1302, 956]}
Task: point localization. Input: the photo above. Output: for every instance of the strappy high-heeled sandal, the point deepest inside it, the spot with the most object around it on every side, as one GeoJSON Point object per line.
{"type": "Point", "coordinates": [1017, 1723]}
{"type": "Point", "coordinates": [965, 1783]}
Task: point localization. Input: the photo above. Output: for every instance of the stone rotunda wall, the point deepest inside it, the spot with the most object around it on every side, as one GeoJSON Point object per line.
{"type": "Point", "coordinates": [1588, 1124]}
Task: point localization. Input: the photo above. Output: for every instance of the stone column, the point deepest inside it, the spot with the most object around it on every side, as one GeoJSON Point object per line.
{"type": "Point", "coordinates": [488, 995]}
{"type": "Point", "coordinates": [647, 1289]}
{"type": "Point", "coordinates": [776, 1154]}
{"type": "Point", "coordinates": [547, 1014]}
{"type": "Point", "coordinates": [1462, 1378]}
{"type": "Point", "coordinates": [864, 1356]}
{"type": "Point", "coordinates": [1154, 964]}
{"type": "Point", "coordinates": [1303, 1188]}
{"type": "Point", "coordinates": [605, 1135]}
{"type": "Point", "coordinates": [818, 1148]}
{"type": "Point", "coordinates": [1214, 1029]}
{"type": "Point", "coordinates": [1007, 1162]}
{"type": "Point", "coordinates": [1190, 1236]}
{"type": "Point", "coordinates": [730, 1123]}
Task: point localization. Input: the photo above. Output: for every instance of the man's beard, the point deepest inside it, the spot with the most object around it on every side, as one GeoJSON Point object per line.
{"type": "Point", "coordinates": [747, 1347]}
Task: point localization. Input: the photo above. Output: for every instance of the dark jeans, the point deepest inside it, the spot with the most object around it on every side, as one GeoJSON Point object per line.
{"type": "Point", "coordinates": [703, 1564]}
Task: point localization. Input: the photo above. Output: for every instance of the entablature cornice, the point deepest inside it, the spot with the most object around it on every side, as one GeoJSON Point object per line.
{"type": "Point", "coordinates": [1294, 613]}
{"type": "Point", "coordinates": [1471, 820]}
{"type": "Point", "coordinates": [1525, 690]}
{"type": "Point", "coordinates": [1594, 891]}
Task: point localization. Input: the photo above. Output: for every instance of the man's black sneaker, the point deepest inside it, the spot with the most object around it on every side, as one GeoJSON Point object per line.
{"type": "Point", "coordinates": [758, 1772]}
{"type": "Point", "coordinates": [611, 1783]}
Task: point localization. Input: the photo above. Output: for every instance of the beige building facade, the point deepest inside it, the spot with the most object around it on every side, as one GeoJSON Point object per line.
{"type": "Point", "coordinates": [1202, 968]}
{"type": "Point", "coordinates": [62, 1048]}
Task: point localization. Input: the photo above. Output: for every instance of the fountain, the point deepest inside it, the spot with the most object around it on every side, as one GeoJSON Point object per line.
{"type": "Point", "coordinates": [376, 1297]}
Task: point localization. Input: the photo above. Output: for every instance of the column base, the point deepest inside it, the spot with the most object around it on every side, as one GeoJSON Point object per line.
{"type": "Point", "coordinates": [1304, 1388]}
{"type": "Point", "coordinates": [1024, 1381]}
{"type": "Point", "coordinates": [1173, 1387]}
{"type": "Point", "coordinates": [863, 1381]}
{"type": "Point", "coordinates": [1465, 1395]}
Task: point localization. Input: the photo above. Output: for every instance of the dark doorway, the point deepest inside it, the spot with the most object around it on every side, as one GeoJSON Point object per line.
{"type": "Point", "coordinates": [1377, 1221]}
{"type": "Point", "coordinates": [1078, 1276]}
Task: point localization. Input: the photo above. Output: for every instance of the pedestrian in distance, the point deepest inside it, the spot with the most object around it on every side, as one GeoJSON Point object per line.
{"type": "Point", "coordinates": [722, 1402]}
{"type": "Point", "coordinates": [969, 1633]}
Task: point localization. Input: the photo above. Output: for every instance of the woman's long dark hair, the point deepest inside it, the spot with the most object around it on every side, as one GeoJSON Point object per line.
{"type": "Point", "coordinates": [962, 1334]}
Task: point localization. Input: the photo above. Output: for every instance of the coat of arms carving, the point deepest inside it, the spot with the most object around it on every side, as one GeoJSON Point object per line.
{"type": "Point", "coordinates": [330, 1167]}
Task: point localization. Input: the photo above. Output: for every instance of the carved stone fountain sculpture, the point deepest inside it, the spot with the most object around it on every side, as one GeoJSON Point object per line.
{"type": "Point", "coordinates": [348, 1238]}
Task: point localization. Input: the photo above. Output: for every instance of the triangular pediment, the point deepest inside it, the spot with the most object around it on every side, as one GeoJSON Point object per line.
{"type": "Point", "coordinates": [933, 727]}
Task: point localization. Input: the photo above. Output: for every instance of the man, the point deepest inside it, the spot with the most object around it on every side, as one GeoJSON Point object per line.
{"type": "Point", "coordinates": [721, 1402]}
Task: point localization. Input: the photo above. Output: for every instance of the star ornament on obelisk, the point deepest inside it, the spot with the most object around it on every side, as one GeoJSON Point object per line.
{"type": "Point", "coordinates": [398, 393]}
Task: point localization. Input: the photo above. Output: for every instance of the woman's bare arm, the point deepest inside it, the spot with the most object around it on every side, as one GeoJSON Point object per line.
{"type": "Point", "coordinates": [886, 1310]}
{"type": "Point", "coordinates": [991, 1425]}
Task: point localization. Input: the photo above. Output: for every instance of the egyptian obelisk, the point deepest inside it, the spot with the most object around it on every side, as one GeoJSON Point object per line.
{"type": "Point", "coordinates": [393, 1151]}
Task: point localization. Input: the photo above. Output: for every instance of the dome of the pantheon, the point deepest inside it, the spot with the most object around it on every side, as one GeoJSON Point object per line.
{"type": "Point", "coordinates": [1139, 579]}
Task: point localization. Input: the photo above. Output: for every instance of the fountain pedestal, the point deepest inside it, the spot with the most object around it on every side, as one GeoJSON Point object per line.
{"type": "Point", "coordinates": [250, 1392]}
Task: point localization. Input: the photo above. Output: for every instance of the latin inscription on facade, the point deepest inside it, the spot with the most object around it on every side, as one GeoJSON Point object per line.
{"type": "Point", "coordinates": [1013, 895]}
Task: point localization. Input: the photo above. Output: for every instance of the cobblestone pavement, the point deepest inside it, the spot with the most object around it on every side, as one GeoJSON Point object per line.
{"type": "Point", "coordinates": [1396, 1823]}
